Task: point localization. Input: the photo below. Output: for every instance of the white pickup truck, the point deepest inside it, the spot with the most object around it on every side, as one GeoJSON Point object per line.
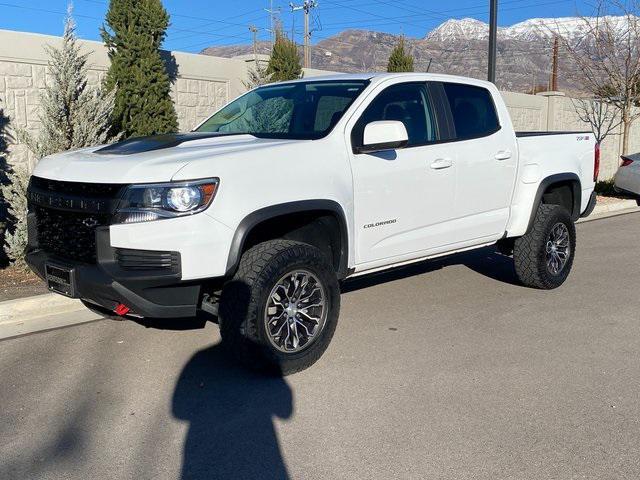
{"type": "Point", "coordinates": [260, 212]}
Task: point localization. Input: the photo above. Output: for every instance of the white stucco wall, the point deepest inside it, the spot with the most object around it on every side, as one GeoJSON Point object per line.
{"type": "Point", "coordinates": [203, 83]}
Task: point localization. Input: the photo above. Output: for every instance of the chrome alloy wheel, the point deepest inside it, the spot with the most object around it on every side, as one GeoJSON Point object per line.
{"type": "Point", "coordinates": [296, 311]}
{"type": "Point", "coordinates": [558, 248]}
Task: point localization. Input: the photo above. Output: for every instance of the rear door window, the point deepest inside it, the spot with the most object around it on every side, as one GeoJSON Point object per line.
{"type": "Point", "coordinates": [474, 113]}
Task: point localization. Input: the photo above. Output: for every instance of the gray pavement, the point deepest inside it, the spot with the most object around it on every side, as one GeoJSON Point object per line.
{"type": "Point", "coordinates": [446, 369]}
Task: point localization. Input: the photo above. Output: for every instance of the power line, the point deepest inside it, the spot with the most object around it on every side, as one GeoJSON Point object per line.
{"type": "Point", "coordinates": [369, 13]}
{"type": "Point", "coordinates": [77, 15]}
{"type": "Point", "coordinates": [44, 10]}
{"type": "Point", "coordinates": [443, 14]}
{"type": "Point", "coordinates": [191, 17]}
{"type": "Point", "coordinates": [253, 19]}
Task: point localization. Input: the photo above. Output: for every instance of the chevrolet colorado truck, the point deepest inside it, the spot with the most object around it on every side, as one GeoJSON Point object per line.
{"type": "Point", "coordinates": [258, 214]}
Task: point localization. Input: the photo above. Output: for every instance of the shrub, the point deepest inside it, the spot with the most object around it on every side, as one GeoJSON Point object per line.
{"type": "Point", "coordinates": [606, 188]}
{"type": "Point", "coordinates": [72, 115]}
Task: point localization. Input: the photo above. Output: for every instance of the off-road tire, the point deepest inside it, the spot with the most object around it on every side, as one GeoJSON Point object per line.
{"type": "Point", "coordinates": [529, 251]}
{"type": "Point", "coordinates": [244, 299]}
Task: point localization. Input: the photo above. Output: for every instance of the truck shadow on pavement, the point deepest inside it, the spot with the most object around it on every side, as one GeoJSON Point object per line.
{"type": "Point", "coordinates": [230, 410]}
{"type": "Point", "coordinates": [230, 413]}
{"type": "Point", "coordinates": [485, 261]}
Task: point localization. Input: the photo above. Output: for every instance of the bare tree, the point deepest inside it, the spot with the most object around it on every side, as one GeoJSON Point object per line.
{"type": "Point", "coordinates": [602, 116]}
{"type": "Point", "coordinates": [608, 57]}
{"type": "Point", "coordinates": [370, 60]}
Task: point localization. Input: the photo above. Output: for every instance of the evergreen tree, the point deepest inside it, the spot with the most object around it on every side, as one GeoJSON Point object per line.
{"type": "Point", "coordinates": [133, 36]}
{"type": "Point", "coordinates": [5, 178]}
{"type": "Point", "coordinates": [257, 76]}
{"type": "Point", "coordinates": [399, 60]}
{"type": "Point", "coordinates": [15, 196]}
{"type": "Point", "coordinates": [72, 115]}
{"type": "Point", "coordinates": [284, 63]}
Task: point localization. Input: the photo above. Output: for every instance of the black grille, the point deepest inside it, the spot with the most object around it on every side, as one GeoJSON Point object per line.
{"type": "Point", "coordinates": [130, 259]}
{"type": "Point", "coordinates": [68, 234]}
{"type": "Point", "coordinates": [88, 190]}
{"type": "Point", "coordinates": [67, 215]}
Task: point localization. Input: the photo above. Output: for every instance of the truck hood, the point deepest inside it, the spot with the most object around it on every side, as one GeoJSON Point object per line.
{"type": "Point", "coordinates": [146, 159]}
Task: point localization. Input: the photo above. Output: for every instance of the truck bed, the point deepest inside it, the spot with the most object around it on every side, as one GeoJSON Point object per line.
{"type": "Point", "coordinates": [548, 132]}
{"type": "Point", "coordinates": [543, 154]}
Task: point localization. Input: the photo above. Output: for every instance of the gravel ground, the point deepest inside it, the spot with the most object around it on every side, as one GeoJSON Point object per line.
{"type": "Point", "coordinates": [17, 283]}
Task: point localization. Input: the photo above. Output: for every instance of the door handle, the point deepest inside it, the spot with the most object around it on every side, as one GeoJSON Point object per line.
{"type": "Point", "coordinates": [503, 155]}
{"type": "Point", "coordinates": [441, 163]}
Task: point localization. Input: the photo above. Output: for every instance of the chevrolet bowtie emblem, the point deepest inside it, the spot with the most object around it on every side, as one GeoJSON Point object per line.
{"type": "Point", "coordinates": [90, 222]}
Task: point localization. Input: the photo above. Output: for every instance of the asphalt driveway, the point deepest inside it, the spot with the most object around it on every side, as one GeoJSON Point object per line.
{"type": "Point", "coordinates": [446, 369]}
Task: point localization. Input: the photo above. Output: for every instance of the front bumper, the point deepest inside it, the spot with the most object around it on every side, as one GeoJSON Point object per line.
{"type": "Point", "coordinates": [155, 294]}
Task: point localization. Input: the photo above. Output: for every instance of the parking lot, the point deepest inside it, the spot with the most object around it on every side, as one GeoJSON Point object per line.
{"type": "Point", "coordinates": [445, 369]}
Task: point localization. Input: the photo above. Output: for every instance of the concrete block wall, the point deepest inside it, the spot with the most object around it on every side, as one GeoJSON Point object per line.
{"type": "Point", "coordinates": [555, 112]}
{"type": "Point", "coordinates": [202, 85]}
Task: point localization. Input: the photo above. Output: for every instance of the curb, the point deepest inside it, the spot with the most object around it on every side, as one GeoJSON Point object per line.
{"type": "Point", "coordinates": [612, 209]}
{"type": "Point", "coordinates": [31, 308]}
{"type": "Point", "coordinates": [41, 313]}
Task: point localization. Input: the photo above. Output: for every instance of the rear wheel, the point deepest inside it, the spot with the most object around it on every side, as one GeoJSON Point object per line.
{"type": "Point", "coordinates": [543, 257]}
{"type": "Point", "coordinates": [280, 310]}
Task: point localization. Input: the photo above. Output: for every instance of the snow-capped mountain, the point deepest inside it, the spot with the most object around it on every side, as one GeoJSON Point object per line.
{"type": "Point", "coordinates": [465, 29]}
{"type": "Point", "coordinates": [573, 28]}
{"type": "Point", "coordinates": [457, 47]}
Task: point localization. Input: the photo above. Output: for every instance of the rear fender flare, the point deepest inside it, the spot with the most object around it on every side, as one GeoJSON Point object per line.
{"type": "Point", "coordinates": [570, 178]}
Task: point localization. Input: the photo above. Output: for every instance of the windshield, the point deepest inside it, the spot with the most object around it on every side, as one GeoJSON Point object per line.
{"type": "Point", "coordinates": [304, 110]}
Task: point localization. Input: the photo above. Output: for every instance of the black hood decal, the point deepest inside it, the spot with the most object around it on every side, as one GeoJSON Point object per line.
{"type": "Point", "coordinates": [154, 142]}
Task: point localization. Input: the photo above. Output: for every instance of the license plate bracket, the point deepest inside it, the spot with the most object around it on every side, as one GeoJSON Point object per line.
{"type": "Point", "coordinates": [60, 279]}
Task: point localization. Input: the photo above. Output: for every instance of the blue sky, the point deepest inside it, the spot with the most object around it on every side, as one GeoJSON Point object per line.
{"type": "Point", "coordinates": [197, 24]}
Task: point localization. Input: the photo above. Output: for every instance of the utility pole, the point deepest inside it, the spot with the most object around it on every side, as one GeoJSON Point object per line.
{"type": "Point", "coordinates": [493, 40]}
{"type": "Point", "coordinates": [306, 6]}
{"type": "Point", "coordinates": [254, 30]}
{"type": "Point", "coordinates": [553, 84]}
{"type": "Point", "coordinates": [272, 18]}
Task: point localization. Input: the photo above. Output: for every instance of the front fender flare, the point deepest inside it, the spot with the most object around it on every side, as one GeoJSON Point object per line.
{"type": "Point", "coordinates": [255, 218]}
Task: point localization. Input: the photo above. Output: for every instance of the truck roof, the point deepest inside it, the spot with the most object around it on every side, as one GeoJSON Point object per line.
{"type": "Point", "coordinates": [381, 76]}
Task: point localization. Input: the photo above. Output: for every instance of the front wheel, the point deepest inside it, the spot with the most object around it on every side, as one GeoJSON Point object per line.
{"type": "Point", "coordinates": [280, 310]}
{"type": "Point", "coordinates": [543, 257]}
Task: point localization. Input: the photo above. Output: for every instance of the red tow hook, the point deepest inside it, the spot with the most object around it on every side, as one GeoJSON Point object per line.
{"type": "Point", "coordinates": [121, 309]}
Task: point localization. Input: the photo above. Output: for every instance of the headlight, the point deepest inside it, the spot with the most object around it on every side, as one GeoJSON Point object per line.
{"type": "Point", "coordinates": [143, 203]}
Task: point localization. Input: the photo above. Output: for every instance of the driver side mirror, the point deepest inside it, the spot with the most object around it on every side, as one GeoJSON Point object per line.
{"type": "Point", "coordinates": [383, 135]}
